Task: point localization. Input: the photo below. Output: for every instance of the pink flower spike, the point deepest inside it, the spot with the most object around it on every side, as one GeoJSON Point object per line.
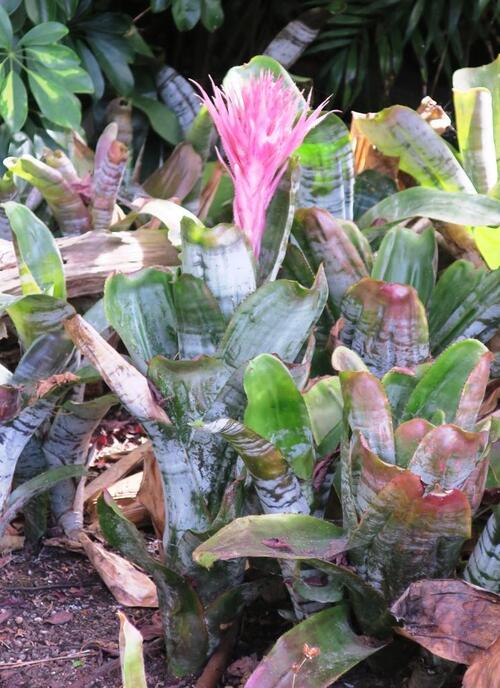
{"type": "Point", "coordinates": [260, 124]}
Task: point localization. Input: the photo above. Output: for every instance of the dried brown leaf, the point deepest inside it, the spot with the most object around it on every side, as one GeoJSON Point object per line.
{"type": "Point", "coordinates": [451, 618]}
{"type": "Point", "coordinates": [151, 493]}
{"type": "Point", "coordinates": [129, 586]}
{"type": "Point", "coordinates": [485, 671]}
{"type": "Point", "coordinates": [58, 618]}
{"type": "Point", "coordinates": [46, 386]}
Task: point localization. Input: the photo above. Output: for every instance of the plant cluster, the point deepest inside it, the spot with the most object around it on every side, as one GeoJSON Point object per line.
{"type": "Point", "coordinates": [361, 485]}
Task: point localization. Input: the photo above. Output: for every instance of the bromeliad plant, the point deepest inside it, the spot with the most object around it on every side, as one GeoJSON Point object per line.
{"type": "Point", "coordinates": [413, 468]}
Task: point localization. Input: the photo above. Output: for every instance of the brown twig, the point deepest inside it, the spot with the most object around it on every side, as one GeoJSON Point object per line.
{"type": "Point", "coordinates": [45, 660]}
{"type": "Point", "coordinates": [218, 661]}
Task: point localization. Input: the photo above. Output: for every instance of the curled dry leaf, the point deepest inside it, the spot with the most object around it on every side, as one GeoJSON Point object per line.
{"type": "Point", "coordinates": [434, 114]}
{"type": "Point", "coordinates": [46, 386]}
{"type": "Point", "coordinates": [129, 586]}
{"type": "Point", "coordinates": [451, 618]}
{"type": "Point", "coordinates": [485, 671]}
{"type": "Point", "coordinates": [151, 493]}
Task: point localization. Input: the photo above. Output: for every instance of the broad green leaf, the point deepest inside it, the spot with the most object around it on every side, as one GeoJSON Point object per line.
{"type": "Point", "coordinates": [14, 101]}
{"type": "Point", "coordinates": [400, 132]}
{"type": "Point", "coordinates": [327, 168]}
{"type": "Point", "coordinates": [277, 318]}
{"type": "Point", "coordinates": [325, 407]}
{"type": "Point", "coordinates": [367, 410]}
{"type": "Point", "coordinates": [140, 308]}
{"type": "Point", "coordinates": [72, 77]}
{"type": "Point", "coordinates": [277, 411]}
{"type": "Point", "coordinates": [442, 385]}
{"type": "Point", "coordinates": [54, 56]}
{"type": "Point", "coordinates": [46, 33]}
{"type": "Point", "coordinates": [212, 14]}
{"type": "Point", "coordinates": [6, 34]}
{"type": "Point", "coordinates": [35, 486]}
{"type": "Point", "coordinates": [200, 323]}
{"type": "Point", "coordinates": [408, 436]}
{"type": "Point", "coordinates": [487, 77]}
{"type": "Point", "coordinates": [222, 258]}
{"type": "Point", "coordinates": [408, 258]}
{"type": "Point", "coordinates": [483, 567]}
{"type": "Point", "coordinates": [68, 443]}
{"type": "Point", "coordinates": [445, 206]}
{"type": "Point", "coordinates": [92, 67]}
{"type": "Point", "coordinates": [186, 13]}
{"type": "Point", "coordinates": [386, 324]}
{"type": "Point", "coordinates": [39, 260]}
{"type": "Point", "coordinates": [162, 120]}
{"type": "Point", "coordinates": [56, 103]}
{"type": "Point", "coordinates": [38, 314]}
{"type": "Point", "coordinates": [488, 242]}
{"type": "Point", "coordinates": [465, 303]}
{"type": "Point", "coordinates": [276, 485]}
{"type": "Point", "coordinates": [334, 647]}
{"type": "Point", "coordinates": [370, 187]}
{"type": "Point", "coordinates": [236, 76]}
{"type": "Point", "coordinates": [283, 536]}
{"type": "Point", "coordinates": [475, 133]}
{"type": "Point", "coordinates": [398, 384]}
{"type": "Point", "coordinates": [338, 245]}
{"type": "Point", "coordinates": [279, 219]}
{"type": "Point", "coordinates": [406, 535]}
{"type": "Point", "coordinates": [182, 617]}
{"type": "Point", "coordinates": [131, 655]}
{"type": "Point", "coordinates": [112, 58]}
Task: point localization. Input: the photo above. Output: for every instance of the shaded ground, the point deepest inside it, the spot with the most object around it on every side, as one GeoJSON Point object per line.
{"type": "Point", "coordinates": [53, 604]}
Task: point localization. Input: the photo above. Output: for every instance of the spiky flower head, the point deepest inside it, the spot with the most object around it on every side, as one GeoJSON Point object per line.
{"type": "Point", "coordinates": [261, 121]}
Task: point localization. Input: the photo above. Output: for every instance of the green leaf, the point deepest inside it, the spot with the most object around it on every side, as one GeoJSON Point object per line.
{"type": "Point", "coordinates": [72, 77]}
{"type": "Point", "coordinates": [6, 34]}
{"type": "Point", "coordinates": [163, 120]}
{"type": "Point", "coordinates": [338, 245]}
{"type": "Point", "coordinates": [367, 411]}
{"type": "Point", "coordinates": [445, 206]}
{"type": "Point", "coordinates": [338, 650]}
{"type": "Point", "coordinates": [475, 133]}
{"type": "Point", "coordinates": [386, 324]}
{"type": "Point", "coordinates": [14, 102]}
{"type": "Point", "coordinates": [131, 656]}
{"type": "Point", "coordinates": [483, 567]}
{"type": "Point", "coordinates": [400, 132]}
{"type": "Point", "coordinates": [113, 58]}
{"type": "Point", "coordinates": [39, 260]}
{"type": "Point", "coordinates": [182, 613]}
{"type": "Point", "coordinates": [279, 219]}
{"type": "Point", "coordinates": [370, 187]}
{"type": "Point", "coordinates": [212, 14]}
{"type": "Point", "coordinates": [441, 386]}
{"type": "Point", "coordinates": [54, 56]}
{"type": "Point", "coordinates": [283, 536]}
{"type": "Point", "coordinates": [46, 33]}
{"type": "Point", "coordinates": [465, 303]}
{"type": "Point", "coordinates": [327, 167]}
{"type": "Point", "coordinates": [486, 77]}
{"type": "Point", "coordinates": [407, 534]}
{"type": "Point", "coordinates": [56, 103]}
{"type": "Point", "coordinates": [35, 486]}
{"type": "Point", "coordinates": [236, 76]}
{"type": "Point", "coordinates": [277, 411]}
{"type": "Point", "coordinates": [277, 318]}
{"type": "Point", "coordinates": [141, 309]}
{"type": "Point", "coordinates": [408, 258]}
{"type": "Point", "coordinates": [186, 13]}
{"type": "Point", "coordinates": [92, 67]}
{"type": "Point", "coordinates": [38, 314]}
{"type": "Point", "coordinates": [276, 485]}
{"type": "Point", "coordinates": [222, 258]}
{"type": "Point", "coordinates": [325, 407]}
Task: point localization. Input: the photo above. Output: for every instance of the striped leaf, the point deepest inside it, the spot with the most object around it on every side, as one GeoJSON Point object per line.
{"type": "Point", "coordinates": [483, 567]}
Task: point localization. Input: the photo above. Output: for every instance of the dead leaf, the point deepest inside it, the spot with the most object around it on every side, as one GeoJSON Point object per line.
{"type": "Point", "coordinates": [485, 671]}
{"type": "Point", "coordinates": [150, 494]}
{"type": "Point", "coordinates": [46, 386]}
{"type": "Point", "coordinates": [434, 114]}
{"type": "Point", "coordinates": [451, 618]}
{"type": "Point", "coordinates": [460, 243]}
{"type": "Point", "coordinates": [366, 155]}
{"type": "Point", "coordinates": [58, 618]}
{"type": "Point", "coordinates": [128, 585]}
{"type": "Point", "coordinates": [8, 543]}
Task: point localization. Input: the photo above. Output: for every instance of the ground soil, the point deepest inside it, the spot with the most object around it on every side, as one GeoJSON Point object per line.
{"type": "Point", "coordinates": [53, 604]}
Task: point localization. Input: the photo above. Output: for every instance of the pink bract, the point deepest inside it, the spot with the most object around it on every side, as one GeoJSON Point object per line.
{"type": "Point", "coordinates": [260, 124]}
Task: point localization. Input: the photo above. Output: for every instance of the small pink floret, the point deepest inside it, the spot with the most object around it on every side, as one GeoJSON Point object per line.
{"type": "Point", "coordinates": [260, 125]}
